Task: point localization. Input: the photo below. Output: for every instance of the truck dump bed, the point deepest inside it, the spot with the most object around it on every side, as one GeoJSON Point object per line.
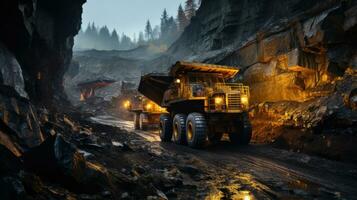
{"type": "Point", "coordinates": [184, 67]}
{"type": "Point", "coordinates": [154, 85]}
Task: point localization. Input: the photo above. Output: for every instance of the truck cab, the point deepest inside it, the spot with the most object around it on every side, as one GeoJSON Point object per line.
{"type": "Point", "coordinates": [212, 90]}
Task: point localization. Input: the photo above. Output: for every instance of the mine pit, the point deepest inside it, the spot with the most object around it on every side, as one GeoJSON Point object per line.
{"type": "Point", "coordinates": [181, 99]}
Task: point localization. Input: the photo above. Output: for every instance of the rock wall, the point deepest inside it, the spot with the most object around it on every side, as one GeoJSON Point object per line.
{"type": "Point", "coordinates": [39, 37]}
{"type": "Point", "coordinates": [286, 49]}
{"type": "Point", "coordinates": [36, 39]}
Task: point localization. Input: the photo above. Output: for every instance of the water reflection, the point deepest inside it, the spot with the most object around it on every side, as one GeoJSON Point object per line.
{"type": "Point", "coordinates": [230, 192]}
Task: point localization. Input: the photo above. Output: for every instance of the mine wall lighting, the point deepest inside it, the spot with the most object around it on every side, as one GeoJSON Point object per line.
{"type": "Point", "coordinates": [178, 81]}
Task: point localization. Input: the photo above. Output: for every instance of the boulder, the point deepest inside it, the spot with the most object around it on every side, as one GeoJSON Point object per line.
{"type": "Point", "coordinates": [60, 161]}
{"type": "Point", "coordinates": [11, 72]}
{"type": "Point", "coordinates": [19, 119]}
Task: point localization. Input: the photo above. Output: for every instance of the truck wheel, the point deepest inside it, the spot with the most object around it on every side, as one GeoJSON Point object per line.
{"type": "Point", "coordinates": [196, 130]}
{"type": "Point", "coordinates": [136, 121]}
{"type": "Point", "coordinates": [165, 128]}
{"type": "Point", "coordinates": [142, 125]}
{"type": "Point", "coordinates": [244, 134]}
{"type": "Point", "coordinates": [179, 129]}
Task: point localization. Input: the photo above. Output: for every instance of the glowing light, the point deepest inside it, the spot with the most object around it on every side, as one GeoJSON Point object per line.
{"type": "Point", "coordinates": [148, 106]}
{"type": "Point", "coordinates": [246, 197]}
{"type": "Point", "coordinates": [244, 100]}
{"type": "Point", "coordinates": [178, 80]}
{"type": "Point", "coordinates": [81, 98]}
{"type": "Point", "coordinates": [126, 104]}
{"type": "Point", "coordinates": [324, 77]}
{"type": "Point", "coordinates": [218, 100]}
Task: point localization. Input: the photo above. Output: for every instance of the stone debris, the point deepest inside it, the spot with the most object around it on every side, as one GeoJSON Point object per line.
{"type": "Point", "coordinates": [117, 144]}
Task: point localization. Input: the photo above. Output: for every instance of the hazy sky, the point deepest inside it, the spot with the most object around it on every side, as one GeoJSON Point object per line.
{"type": "Point", "coordinates": [128, 16]}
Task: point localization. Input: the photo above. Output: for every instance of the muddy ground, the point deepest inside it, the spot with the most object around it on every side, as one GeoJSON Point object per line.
{"type": "Point", "coordinates": [156, 170]}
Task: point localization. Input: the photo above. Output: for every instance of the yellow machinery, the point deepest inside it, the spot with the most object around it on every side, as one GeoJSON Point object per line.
{"type": "Point", "coordinates": [146, 112]}
{"type": "Point", "coordinates": [202, 103]}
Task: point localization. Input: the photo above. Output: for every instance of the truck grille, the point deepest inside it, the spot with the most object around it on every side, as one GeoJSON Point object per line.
{"type": "Point", "coordinates": [234, 102]}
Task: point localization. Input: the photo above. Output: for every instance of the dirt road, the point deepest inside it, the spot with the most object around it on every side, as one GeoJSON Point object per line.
{"type": "Point", "coordinates": [225, 171]}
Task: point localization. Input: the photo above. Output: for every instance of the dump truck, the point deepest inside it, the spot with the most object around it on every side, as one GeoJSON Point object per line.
{"type": "Point", "coordinates": [202, 102]}
{"type": "Point", "coordinates": [146, 112]}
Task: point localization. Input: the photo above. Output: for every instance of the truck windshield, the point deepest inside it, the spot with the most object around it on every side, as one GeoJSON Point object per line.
{"type": "Point", "coordinates": [207, 80]}
{"type": "Point", "coordinates": [200, 84]}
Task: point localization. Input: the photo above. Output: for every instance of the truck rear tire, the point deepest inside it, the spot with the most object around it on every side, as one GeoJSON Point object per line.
{"type": "Point", "coordinates": [136, 121]}
{"type": "Point", "coordinates": [179, 129]}
{"type": "Point", "coordinates": [165, 128]}
{"type": "Point", "coordinates": [142, 125]}
{"type": "Point", "coordinates": [244, 134]}
{"type": "Point", "coordinates": [196, 130]}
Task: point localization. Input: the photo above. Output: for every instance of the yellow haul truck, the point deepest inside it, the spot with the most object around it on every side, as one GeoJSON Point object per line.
{"type": "Point", "coordinates": [202, 104]}
{"type": "Point", "coordinates": [146, 112]}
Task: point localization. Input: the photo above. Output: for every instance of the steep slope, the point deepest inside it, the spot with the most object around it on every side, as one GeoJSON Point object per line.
{"type": "Point", "coordinates": [301, 44]}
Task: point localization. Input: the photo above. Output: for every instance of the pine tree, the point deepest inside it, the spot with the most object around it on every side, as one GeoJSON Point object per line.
{"type": "Point", "coordinates": [126, 42]}
{"type": "Point", "coordinates": [156, 32]}
{"type": "Point", "coordinates": [134, 38]}
{"type": "Point", "coordinates": [115, 40]}
{"type": "Point", "coordinates": [172, 30]}
{"type": "Point", "coordinates": [148, 31]}
{"type": "Point", "coordinates": [181, 19]}
{"type": "Point", "coordinates": [91, 31]}
{"type": "Point", "coordinates": [104, 41]}
{"type": "Point", "coordinates": [141, 39]}
{"type": "Point", "coordinates": [190, 9]}
{"type": "Point", "coordinates": [90, 37]}
{"type": "Point", "coordinates": [164, 25]}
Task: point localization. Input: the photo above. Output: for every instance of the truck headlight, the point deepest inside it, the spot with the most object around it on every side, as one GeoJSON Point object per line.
{"type": "Point", "coordinates": [126, 104]}
{"type": "Point", "coordinates": [244, 100]}
{"type": "Point", "coordinates": [218, 100]}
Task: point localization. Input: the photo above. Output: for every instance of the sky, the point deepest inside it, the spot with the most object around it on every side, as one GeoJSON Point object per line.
{"type": "Point", "coordinates": [128, 16]}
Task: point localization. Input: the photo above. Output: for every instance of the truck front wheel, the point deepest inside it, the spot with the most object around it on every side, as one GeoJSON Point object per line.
{"type": "Point", "coordinates": [136, 121]}
{"type": "Point", "coordinates": [179, 129]}
{"type": "Point", "coordinates": [196, 130]}
{"type": "Point", "coordinates": [165, 128]}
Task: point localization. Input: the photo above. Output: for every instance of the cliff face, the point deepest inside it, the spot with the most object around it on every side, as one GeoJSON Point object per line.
{"type": "Point", "coordinates": [38, 36]}
{"type": "Point", "coordinates": [36, 39]}
{"type": "Point", "coordinates": [286, 49]}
